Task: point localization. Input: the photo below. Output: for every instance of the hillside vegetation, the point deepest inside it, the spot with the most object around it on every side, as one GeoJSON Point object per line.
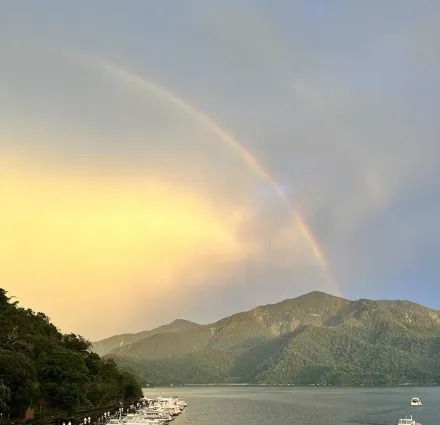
{"type": "Point", "coordinates": [106, 345]}
{"type": "Point", "coordinates": [313, 339]}
{"type": "Point", "coordinates": [43, 368]}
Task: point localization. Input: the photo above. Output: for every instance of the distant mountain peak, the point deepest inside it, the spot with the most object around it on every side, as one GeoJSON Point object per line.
{"type": "Point", "coordinates": [319, 294]}
{"type": "Point", "coordinates": [316, 338]}
{"type": "Point", "coordinates": [109, 344]}
{"type": "Point", "coordinates": [183, 322]}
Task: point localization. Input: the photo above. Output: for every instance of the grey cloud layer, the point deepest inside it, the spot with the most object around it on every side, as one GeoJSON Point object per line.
{"type": "Point", "coordinates": [341, 105]}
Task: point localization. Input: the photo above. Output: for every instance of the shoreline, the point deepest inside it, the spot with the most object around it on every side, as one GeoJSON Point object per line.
{"type": "Point", "coordinates": [317, 386]}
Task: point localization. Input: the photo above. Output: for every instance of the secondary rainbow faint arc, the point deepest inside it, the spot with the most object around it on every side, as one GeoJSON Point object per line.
{"type": "Point", "coordinates": [132, 78]}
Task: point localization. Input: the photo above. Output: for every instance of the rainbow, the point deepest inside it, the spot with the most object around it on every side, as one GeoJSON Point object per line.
{"type": "Point", "coordinates": [131, 78]}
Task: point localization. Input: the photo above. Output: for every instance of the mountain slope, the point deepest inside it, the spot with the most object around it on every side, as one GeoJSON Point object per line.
{"type": "Point", "coordinates": [315, 338]}
{"type": "Point", "coordinates": [106, 345]}
{"type": "Point", "coordinates": [239, 330]}
{"type": "Point", "coordinates": [337, 356]}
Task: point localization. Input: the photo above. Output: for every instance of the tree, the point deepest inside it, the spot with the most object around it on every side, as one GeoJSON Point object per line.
{"type": "Point", "coordinates": [38, 364]}
{"type": "Point", "coordinates": [76, 343]}
{"type": "Point", "coordinates": [62, 374]}
{"type": "Point", "coordinates": [18, 374]}
{"type": "Point", "coordinates": [132, 389]}
{"type": "Point", "coordinates": [5, 398]}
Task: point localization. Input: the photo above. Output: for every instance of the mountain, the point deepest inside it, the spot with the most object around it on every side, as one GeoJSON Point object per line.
{"type": "Point", "coordinates": [316, 338]}
{"type": "Point", "coordinates": [106, 345]}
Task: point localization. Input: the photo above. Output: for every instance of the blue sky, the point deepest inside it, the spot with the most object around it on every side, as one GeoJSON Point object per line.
{"type": "Point", "coordinates": [338, 100]}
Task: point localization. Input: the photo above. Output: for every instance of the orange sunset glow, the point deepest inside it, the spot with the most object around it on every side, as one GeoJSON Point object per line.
{"type": "Point", "coordinates": [89, 234]}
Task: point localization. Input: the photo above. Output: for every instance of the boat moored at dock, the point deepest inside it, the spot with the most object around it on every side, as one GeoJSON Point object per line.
{"type": "Point", "coordinates": [152, 411]}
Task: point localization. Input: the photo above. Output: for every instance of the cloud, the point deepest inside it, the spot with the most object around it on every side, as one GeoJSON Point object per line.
{"type": "Point", "coordinates": [361, 140]}
{"type": "Point", "coordinates": [77, 239]}
{"type": "Point", "coordinates": [94, 238]}
{"type": "Point", "coordinates": [118, 194]}
{"type": "Point", "coordinates": [340, 105]}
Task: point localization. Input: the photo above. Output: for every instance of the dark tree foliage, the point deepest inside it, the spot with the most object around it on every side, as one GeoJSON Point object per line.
{"type": "Point", "coordinates": [42, 368]}
{"type": "Point", "coordinates": [19, 376]}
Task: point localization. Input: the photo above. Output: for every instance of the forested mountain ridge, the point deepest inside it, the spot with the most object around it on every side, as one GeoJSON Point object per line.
{"type": "Point", "coordinates": [239, 330]}
{"type": "Point", "coordinates": [315, 338]}
{"type": "Point", "coordinates": [107, 345]}
{"type": "Point", "coordinates": [41, 367]}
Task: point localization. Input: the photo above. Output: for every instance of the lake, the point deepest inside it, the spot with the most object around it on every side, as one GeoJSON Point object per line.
{"type": "Point", "coordinates": [305, 406]}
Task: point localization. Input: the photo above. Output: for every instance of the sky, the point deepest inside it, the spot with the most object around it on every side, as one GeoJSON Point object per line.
{"type": "Point", "coordinates": [163, 160]}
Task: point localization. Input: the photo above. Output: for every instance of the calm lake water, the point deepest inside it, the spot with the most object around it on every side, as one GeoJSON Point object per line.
{"type": "Point", "coordinates": [314, 406]}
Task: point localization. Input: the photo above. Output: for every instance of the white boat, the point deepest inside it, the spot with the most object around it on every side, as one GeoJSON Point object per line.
{"type": "Point", "coordinates": [415, 401]}
{"type": "Point", "coordinates": [143, 421]}
{"type": "Point", "coordinates": [179, 401]}
{"type": "Point", "coordinates": [140, 419]}
{"type": "Point", "coordinates": [156, 415]}
{"type": "Point", "coordinates": [172, 410]}
{"type": "Point", "coordinates": [407, 420]}
{"type": "Point", "coordinates": [168, 407]}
